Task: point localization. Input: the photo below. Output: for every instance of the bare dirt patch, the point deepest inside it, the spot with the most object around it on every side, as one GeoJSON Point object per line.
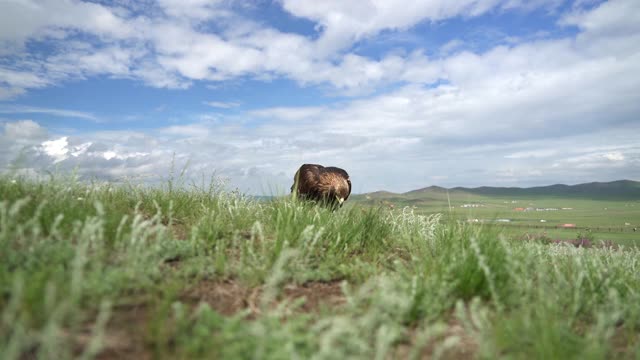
{"type": "Point", "coordinates": [180, 231]}
{"type": "Point", "coordinates": [124, 335]}
{"type": "Point", "coordinates": [228, 296]}
{"type": "Point", "coordinates": [224, 296]}
{"type": "Point", "coordinates": [316, 294]}
{"type": "Point", "coordinates": [465, 348]}
{"type": "Point", "coordinates": [624, 343]}
{"type": "Point", "coordinates": [467, 345]}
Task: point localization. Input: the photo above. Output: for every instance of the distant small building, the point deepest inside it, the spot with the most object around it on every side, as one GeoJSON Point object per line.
{"type": "Point", "coordinates": [568, 225]}
{"type": "Point", "coordinates": [471, 205]}
{"type": "Point", "coordinates": [519, 209]}
{"type": "Point", "coordinates": [543, 221]}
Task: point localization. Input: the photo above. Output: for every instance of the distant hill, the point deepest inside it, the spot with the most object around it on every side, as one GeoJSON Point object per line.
{"type": "Point", "coordinates": [430, 189]}
{"type": "Point", "coordinates": [618, 190]}
{"type": "Point", "coordinates": [380, 194]}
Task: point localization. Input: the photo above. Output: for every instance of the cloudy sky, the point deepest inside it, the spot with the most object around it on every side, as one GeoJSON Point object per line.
{"type": "Point", "coordinates": [400, 94]}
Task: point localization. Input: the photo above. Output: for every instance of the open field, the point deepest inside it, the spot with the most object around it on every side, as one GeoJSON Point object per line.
{"type": "Point", "coordinates": [113, 272]}
{"type": "Point", "coordinates": [606, 219]}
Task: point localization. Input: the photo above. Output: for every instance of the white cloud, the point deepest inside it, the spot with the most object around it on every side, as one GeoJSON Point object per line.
{"type": "Point", "coordinates": [191, 130]}
{"type": "Point", "coordinates": [15, 82]}
{"type": "Point", "coordinates": [172, 50]}
{"type": "Point", "coordinates": [614, 156]}
{"type": "Point", "coordinates": [222, 104]}
{"type": "Point", "coordinates": [203, 56]}
{"type": "Point", "coordinates": [21, 79]}
{"type": "Point", "coordinates": [24, 129]}
{"type": "Point", "coordinates": [21, 20]}
{"type": "Point", "coordinates": [618, 17]}
{"type": "Point", "coordinates": [194, 9]}
{"type": "Point", "coordinates": [57, 149]}
{"type": "Point", "coordinates": [111, 154]}
{"type": "Point", "coordinates": [63, 113]}
{"type": "Point", "coordinates": [542, 153]}
{"type": "Point", "coordinates": [451, 46]}
{"type": "Point", "coordinates": [343, 22]}
{"type": "Point", "coordinates": [289, 113]}
{"type": "Point", "coordinates": [506, 93]}
{"type": "Point", "coordinates": [89, 61]}
{"type": "Point", "coordinates": [154, 75]}
{"type": "Point", "coordinates": [16, 138]}
{"type": "Point", "coordinates": [11, 92]}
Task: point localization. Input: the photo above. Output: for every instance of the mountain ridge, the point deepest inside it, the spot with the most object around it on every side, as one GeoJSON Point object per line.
{"type": "Point", "coordinates": [612, 189]}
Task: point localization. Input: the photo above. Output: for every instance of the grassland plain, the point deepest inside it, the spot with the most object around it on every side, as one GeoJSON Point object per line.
{"type": "Point", "coordinates": [607, 218]}
{"type": "Point", "coordinates": [97, 270]}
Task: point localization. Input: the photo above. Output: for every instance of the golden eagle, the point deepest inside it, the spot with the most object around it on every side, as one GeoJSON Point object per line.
{"type": "Point", "coordinates": [330, 185]}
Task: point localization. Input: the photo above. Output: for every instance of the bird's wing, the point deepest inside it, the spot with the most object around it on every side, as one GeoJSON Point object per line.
{"type": "Point", "coordinates": [306, 178]}
{"type": "Point", "coordinates": [331, 181]}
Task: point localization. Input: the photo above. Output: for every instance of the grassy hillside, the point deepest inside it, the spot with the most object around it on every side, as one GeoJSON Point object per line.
{"type": "Point", "coordinates": [614, 190]}
{"type": "Point", "coordinates": [110, 272]}
{"type": "Point", "coordinates": [612, 214]}
{"type": "Point", "coordinates": [618, 190]}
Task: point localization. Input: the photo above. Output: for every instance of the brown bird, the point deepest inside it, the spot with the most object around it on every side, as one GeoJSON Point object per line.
{"type": "Point", "coordinates": [330, 185]}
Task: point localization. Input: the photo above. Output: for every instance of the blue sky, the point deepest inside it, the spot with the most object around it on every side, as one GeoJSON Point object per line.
{"type": "Point", "coordinates": [401, 94]}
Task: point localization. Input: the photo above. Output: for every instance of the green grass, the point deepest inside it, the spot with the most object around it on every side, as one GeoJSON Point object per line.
{"type": "Point", "coordinates": [609, 219]}
{"type": "Point", "coordinates": [186, 271]}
